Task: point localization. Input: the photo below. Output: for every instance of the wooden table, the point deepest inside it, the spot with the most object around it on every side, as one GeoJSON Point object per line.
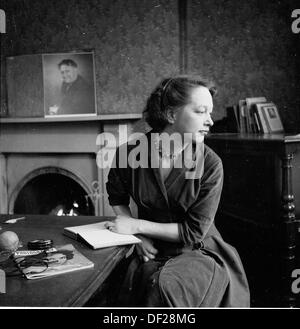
{"type": "Point", "coordinates": [65, 290]}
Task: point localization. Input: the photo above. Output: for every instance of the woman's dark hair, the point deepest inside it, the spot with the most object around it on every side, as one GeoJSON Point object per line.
{"type": "Point", "coordinates": [171, 94]}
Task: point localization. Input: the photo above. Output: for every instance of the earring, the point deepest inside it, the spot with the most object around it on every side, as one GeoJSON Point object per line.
{"type": "Point", "coordinates": [171, 116]}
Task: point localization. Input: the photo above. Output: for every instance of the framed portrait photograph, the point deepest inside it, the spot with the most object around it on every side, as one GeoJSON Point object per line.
{"type": "Point", "coordinates": [69, 84]}
{"type": "Point", "coordinates": [272, 118]}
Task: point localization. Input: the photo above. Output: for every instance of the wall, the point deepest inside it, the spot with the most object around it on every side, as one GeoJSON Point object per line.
{"type": "Point", "coordinates": [249, 49]}
{"type": "Point", "coordinates": [135, 41]}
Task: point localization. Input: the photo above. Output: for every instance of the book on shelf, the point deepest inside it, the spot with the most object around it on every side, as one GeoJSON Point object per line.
{"type": "Point", "coordinates": [262, 118]}
{"type": "Point", "coordinates": [257, 123]}
{"type": "Point", "coordinates": [37, 264]}
{"type": "Point", "coordinates": [97, 236]}
{"type": "Point", "coordinates": [253, 119]}
{"type": "Point", "coordinates": [243, 119]}
{"type": "Point", "coordinates": [233, 118]}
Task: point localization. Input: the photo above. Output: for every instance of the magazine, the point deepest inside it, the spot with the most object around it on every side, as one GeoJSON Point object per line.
{"type": "Point", "coordinates": [36, 264]}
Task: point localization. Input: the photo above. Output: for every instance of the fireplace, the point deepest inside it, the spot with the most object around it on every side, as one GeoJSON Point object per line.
{"type": "Point", "coordinates": [48, 166]}
{"type": "Point", "coordinates": [53, 191]}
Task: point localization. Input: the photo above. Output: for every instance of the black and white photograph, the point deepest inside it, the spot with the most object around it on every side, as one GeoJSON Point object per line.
{"type": "Point", "coordinates": [272, 117]}
{"type": "Point", "coordinates": [150, 158]}
{"type": "Point", "coordinates": [69, 86]}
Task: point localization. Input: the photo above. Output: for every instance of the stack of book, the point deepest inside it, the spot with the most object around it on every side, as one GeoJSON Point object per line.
{"type": "Point", "coordinates": [254, 115]}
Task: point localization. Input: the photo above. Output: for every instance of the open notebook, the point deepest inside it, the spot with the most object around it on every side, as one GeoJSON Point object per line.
{"type": "Point", "coordinates": [97, 236]}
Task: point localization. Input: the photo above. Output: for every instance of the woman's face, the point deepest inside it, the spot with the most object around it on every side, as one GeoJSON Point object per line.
{"type": "Point", "coordinates": [194, 119]}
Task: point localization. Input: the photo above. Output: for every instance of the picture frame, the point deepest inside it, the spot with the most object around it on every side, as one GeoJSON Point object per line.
{"type": "Point", "coordinates": [69, 84]}
{"type": "Point", "coordinates": [264, 128]}
{"type": "Point", "coordinates": [272, 118]}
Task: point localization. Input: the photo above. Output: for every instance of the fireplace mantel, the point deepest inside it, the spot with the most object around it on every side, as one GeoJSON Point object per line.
{"type": "Point", "coordinates": [65, 134]}
{"type": "Point", "coordinates": [69, 143]}
{"type": "Point", "coordinates": [101, 117]}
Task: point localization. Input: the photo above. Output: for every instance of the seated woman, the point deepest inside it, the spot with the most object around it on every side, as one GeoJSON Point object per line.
{"type": "Point", "coordinates": [182, 260]}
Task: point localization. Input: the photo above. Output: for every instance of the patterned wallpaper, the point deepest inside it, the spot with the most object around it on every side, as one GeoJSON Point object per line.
{"type": "Point", "coordinates": [247, 47]}
{"type": "Point", "coordinates": [135, 42]}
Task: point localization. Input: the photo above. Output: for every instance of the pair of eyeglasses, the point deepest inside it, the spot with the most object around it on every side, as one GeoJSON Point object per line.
{"type": "Point", "coordinates": [31, 265]}
{"type": "Point", "coordinates": [17, 267]}
{"type": "Point", "coordinates": [40, 263]}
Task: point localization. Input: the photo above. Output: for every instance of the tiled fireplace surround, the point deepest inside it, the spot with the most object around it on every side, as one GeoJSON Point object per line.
{"type": "Point", "coordinates": [34, 146]}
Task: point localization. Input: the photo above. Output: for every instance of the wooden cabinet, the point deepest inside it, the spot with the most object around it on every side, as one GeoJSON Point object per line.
{"type": "Point", "coordinates": [259, 208]}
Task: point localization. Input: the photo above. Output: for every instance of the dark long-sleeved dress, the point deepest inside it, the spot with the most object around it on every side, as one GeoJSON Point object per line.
{"type": "Point", "coordinates": [200, 271]}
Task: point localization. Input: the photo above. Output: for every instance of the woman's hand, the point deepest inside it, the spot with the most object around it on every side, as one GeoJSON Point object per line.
{"type": "Point", "coordinates": [128, 225]}
{"type": "Point", "coordinates": [123, 225]}
{"type": "Point", "coordinates": [146, 250]}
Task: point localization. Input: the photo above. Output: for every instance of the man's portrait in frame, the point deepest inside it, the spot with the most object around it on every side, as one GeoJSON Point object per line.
{"type": "Point", "coordinates": [69, 84]}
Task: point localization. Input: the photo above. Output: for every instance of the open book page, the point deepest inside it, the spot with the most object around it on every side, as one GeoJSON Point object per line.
{"type": "Point", "coordinates": [97, 236]}
{"type": "Point", "coordinates": [35, 264]}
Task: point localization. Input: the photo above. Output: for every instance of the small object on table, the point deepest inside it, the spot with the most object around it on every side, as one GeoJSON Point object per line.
{"type": "Point", "coordinates": [13, 220]}
{"type": "Point", "coordinates": [40, 244]}
{"type": "Point", "coordinates": [9, 242]}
